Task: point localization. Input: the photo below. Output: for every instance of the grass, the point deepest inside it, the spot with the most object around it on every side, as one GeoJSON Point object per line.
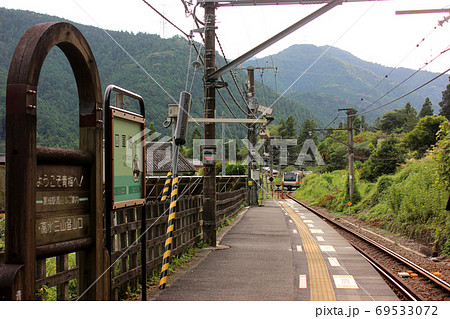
{"type": "Point", "coordinates": [177, 262]}
{"type": "Point", "coordinates": [50, 293]}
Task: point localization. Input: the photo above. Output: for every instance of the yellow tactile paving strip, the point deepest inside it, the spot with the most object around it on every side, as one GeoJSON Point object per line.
{"type": "Point", "coordinates": [321, 286]}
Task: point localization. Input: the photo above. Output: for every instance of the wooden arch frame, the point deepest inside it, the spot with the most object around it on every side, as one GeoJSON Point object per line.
{"type": "Point", "coordinates": [21, 150]}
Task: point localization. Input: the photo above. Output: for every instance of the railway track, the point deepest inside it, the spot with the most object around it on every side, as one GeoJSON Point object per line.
{"type": "Point", "coordinates": [416, 283]}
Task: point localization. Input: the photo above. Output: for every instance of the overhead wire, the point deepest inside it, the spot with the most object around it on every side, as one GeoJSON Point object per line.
{"type": "Point", "coordinates": [126, 52]}
{"type": "Point", "coordinates": [399, 63]}
{"type": "Point", "coordinates": [323, 53]}
{"type": "Point", "coordinates": [404, 95]}
{"type": "Point", "coordinates": [198, 22]}
{"type": "Point", "coordinates": [406, 79]}
{"type": "Point", "coordinates": [165, 18]}
{"type": "Point", "coordinates": [234, 80]}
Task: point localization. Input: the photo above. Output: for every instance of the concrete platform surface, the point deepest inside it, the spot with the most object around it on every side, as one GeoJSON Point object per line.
{"type": "Point", "coordinates": [264, 257]}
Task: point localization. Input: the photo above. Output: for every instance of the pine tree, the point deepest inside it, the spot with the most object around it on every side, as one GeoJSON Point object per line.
{"type": "Point", "coordinates": [427, 109]}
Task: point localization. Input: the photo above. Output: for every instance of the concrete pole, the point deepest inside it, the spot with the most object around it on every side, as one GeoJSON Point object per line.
{"type": "Point", "coordinates": [209, 169]}
{"type": "Point", "coordinates": [223, 145]}
{"type": "Point", "coordinates": [252, 133]}
{"type": "Point", "coordinates": [351, 159]}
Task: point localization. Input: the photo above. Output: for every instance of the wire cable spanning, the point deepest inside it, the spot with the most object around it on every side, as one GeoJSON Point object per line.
{"type": "Point", "coordinates": [134, 243]}
{"type": "Point", "coordinates": [165, 18]}
{"type": "Point", "coordinates": [126, 52]}
{"type": "Point", "coordinates": [409, 77]}
{"type": "Point", "coordinates": [404, 95]}
{"type": "Point", "coordinates": [323, 53]}
{"type": "Point", "coordinates": [399, 63]}
{"type": "Point", "coordinates": [233, 76]}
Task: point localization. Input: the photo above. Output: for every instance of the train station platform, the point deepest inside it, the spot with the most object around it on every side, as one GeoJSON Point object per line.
{"type": "Point", "coordinates": [280, 251]}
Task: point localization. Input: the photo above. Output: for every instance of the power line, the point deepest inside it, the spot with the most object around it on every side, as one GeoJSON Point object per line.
{"type": "Point", "coordinates": [409, 77]}
{"type": "Point", "coordinates": [165, 18]}
{"type": "Point", "coordinates": [323, 53]}
{"type": "Point", "coordinates": [398, 65]}
{"type": "Point", "coordinates": [129, 55]}
{"type": "Point", "coordinates": [234, 80]}
{"type": "Point", "coordinates": [404, 95]}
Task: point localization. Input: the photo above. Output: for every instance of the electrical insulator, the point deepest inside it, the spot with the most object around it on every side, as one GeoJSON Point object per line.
{"type": "Point", "coordinates": [183, 115]}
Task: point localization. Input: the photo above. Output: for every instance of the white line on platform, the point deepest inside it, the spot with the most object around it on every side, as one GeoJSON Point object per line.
{"type": "Point", "coordinates": [327, 248]}
{"type": "Point", "coordinates": [303, 283]}
{"type": "Point", "coordinates": [334, 262]}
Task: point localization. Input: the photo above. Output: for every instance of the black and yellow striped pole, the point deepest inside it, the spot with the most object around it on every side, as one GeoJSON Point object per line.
{"type": "Point", "coordinates": [169, 233]}
{"type": "Point", "coordinates": [179, 139]}
{"type": "Point", "coordinates": [166, 189]}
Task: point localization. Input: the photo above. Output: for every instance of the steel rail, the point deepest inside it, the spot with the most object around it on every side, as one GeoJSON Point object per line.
{"type": "Point", "coordinates": [441, 283]}
{"type": "Point", "coordinates": [407, 292]}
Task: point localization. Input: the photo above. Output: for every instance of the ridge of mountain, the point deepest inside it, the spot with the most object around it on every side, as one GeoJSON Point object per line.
{"type": "Point", "coordinates": [165, 60]}
{"type": "Point", "coordinates": [329, 73]}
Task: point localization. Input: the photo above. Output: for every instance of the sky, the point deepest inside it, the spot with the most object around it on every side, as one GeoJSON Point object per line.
{"type": "Point", "coordinates": [370, 30]}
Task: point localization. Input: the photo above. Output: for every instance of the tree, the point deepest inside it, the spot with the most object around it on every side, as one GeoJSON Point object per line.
{"type": "Point", "coordinates": [306, 132]}
{"type": "Point", "coordinates": [445, 103]}
{"type": "Point", "coordinates": [399, 120]}
{"type": "Point", "coordinates": [441, 154]}
{"type": "Point", "coordinates": [391, 121]}
{"type": "Point", "coordinates": [359, 125]}
{"type": "Point", "coordinates": [427, 109]}
{"type": "Point", "coordinates": [384, 160]}
{"type": "Point", "coordinates": [423, 136]}
{"type": "Point", "coordinates": [410, 115]}
{"type": "Point", "coordinates": [189, 150]}
{"type": "Point", "coordinates": [287, 130]}
{"type": "Point", "coordinates": [334, 153]}
{"type": "Point", "coordinates": [152, 129]}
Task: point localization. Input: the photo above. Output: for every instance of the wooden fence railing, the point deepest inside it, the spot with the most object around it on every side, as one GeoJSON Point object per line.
{"type": "Point", "coordinates": [125, 275]}
{"type": "Point", "coordinates": [57, 276]}
{"type": "Point", "coordinates": [228, 204]}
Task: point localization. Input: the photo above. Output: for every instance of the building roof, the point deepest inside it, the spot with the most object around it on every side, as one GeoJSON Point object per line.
{"type": "Point", "coordinates": [159, 159]}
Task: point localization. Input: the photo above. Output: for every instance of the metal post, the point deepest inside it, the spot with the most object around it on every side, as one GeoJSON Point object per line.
{"type": "Point", "coordinates": [351, 170]}
{"type": "Point", "coordinates": [271, 167]}
{"type": "Point", "coordinates": [223, 145]}
{"type": "Point", "coordinates": [209, 169]}
{"type": "Point", "coordinates": [252, 133]}
{"type": "Point", "coordinates": [178, 139]}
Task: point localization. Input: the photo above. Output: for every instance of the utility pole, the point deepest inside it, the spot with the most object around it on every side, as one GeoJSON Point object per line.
{"type": "Point", "coordinates": [351, 155]}
{"type": "Point", "coordinates": [252, 109]}
{"type": "Point", "coordinates": [209, 168]}
{"type": "Point", "coordinates": [251, 102]}
{"type": "Point", "coordinates": [223, 145]}
{"type": "Point", "coordinates": [349, 145]}
{"type": "Point", "coordinates": [271, 167]}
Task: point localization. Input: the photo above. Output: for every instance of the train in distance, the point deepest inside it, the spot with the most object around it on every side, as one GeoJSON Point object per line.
{"type": "Point", "coordinates": [292, 179]}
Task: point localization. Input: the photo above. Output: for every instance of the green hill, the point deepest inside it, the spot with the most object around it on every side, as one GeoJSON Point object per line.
{"type": "Point", "coordinates": [166, 60]}
{"type": "Point", "coordinates": [340, 80]}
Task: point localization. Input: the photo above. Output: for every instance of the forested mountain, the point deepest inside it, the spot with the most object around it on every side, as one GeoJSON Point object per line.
{"type": "Point", "coordinates": [166, 60]}
{"type": "Point", "coordinates": [341, 80]}
{"type": "Point", "coordinates": [337, 80]}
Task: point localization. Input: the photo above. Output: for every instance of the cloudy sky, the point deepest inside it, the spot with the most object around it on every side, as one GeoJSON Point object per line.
{"type": "Point", "coordinates": [370, 30]}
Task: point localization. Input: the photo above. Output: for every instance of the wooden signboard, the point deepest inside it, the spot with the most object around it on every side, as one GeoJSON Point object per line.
{"type": "Point", "coordinates": [62, 203]}
{"type": "Point", "coordinates": [54, 196]}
